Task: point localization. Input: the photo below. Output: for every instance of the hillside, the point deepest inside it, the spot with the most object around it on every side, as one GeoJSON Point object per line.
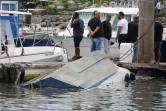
{"type": "Point", "coordinates": [63, 9]}
{"type": "Point", "coordinates": [58, 6]}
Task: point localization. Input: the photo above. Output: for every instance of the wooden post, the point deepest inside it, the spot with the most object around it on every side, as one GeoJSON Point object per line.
{"type": "Point", "coordinates": [146, 42]}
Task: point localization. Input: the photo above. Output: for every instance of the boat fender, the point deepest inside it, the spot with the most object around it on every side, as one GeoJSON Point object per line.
{"type": "Point", "coordinates": [127, 77]}
{"type": "Point", "coordinates": [64, 58]}
{"type": "Point", "coordinates": [132, 77]}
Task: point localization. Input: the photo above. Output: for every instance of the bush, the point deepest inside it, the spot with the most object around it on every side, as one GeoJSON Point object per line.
{"type": "Point", "coordinates": [162, 13]}
{"type": "Point", "coordinates": [66, 4]}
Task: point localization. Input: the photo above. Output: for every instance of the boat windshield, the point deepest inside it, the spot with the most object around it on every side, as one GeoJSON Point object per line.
{"type": "Point", "coordinates": [86, 16]}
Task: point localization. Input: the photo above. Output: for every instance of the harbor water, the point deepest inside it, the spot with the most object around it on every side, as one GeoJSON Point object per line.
{"type": "Point", "coordinates": [142, 95]}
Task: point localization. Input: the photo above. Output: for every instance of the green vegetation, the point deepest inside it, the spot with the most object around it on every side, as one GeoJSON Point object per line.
{"type": "Point", "coordinates": [163, 13]}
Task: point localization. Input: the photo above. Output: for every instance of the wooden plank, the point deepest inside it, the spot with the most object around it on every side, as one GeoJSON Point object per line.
{"type": "Point", "coordinates": [161, 66]}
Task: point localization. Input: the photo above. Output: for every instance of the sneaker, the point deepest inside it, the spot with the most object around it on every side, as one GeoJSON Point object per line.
{"type": "Point", "coordinates": [79, 57]}
{"type": "Point", "coordinates": [74, 58]}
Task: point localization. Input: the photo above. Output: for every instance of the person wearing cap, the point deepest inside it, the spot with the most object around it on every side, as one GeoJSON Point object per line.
{"type": "Point", "coordinates": [132, 36]}
{"type": "Point", "coordinates": [107, 33]}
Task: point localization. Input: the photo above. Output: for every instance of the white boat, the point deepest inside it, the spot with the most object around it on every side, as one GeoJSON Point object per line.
{"type": "Point", "coordinates": [86, 15]}
{"type": "Point", "coordinates": [11, 54]}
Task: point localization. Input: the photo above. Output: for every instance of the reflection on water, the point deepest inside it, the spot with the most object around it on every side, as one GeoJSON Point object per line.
{"type": "Point", "coordinates": [139, 96]}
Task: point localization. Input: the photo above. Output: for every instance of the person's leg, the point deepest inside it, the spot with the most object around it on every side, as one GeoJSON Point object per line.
{"type": "Point", "coordinates": [109, 43]}
{"type": "Point", "coordinates": [78, 49]}
{"type": "Point", "coordinates": [158, 52]}
{"type": "Point", "coordinates": [98, 42]}
{"type": "Point", "coordinates": [158, 56]}
{"type": "Point", "coordinates": [75, 45]}
{"type": "Point", "coordinates": [105, 45]}
{"type": "Point", "coordinates": [135, 54]}
{"type": "Point", "coordinates": [155, 47]}
{"type": "Point", "coordinates": [119, 40]}
{"type": "Point", "coordinates": [92, 44]}
{"type": "Point", "coordinates": [158, 12]}
{"type": "Point", "coordinates": [77, 41]}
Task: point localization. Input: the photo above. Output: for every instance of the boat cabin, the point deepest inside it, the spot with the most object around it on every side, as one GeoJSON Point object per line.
{"type": "Point", "coordinates": [10, 5]}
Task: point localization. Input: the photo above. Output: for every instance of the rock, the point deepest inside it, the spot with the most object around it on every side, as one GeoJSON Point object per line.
{"type": "Point", "coordinates": [60, 7]}
{"type": "Point", "coordinates": [56, 24]}
{"type": "Point", "coordinates": [53, 19]}
{"type": "Point", "coordinates": [92, 6]}
{"type": "Point", "coordinates": [65, 19]}
{"type": "Point", "coordinates": [105, 4]}
{"type": "Point", "coordinates": [71, 2]}
{"type": "Point", "coordinates": [62, 26]}
{"type": "Point", "coordinates": [86, 4]}
{"type": "Point", "coordinates": [80, 7]}
{"type": "Point", "coordinates": [61, 20]}
{"type": "Point", "coordinates": [72, 7]}
{"type": "Point", "coordinates": [43, 24]}
{"type": "Point", "coordinates": [68, 19]}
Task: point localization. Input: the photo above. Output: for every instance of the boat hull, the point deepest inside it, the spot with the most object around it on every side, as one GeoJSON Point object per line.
{"type": "Point", "coordinates": [91, 71]}
{"type": "Point", "coordinates": [32, 54]}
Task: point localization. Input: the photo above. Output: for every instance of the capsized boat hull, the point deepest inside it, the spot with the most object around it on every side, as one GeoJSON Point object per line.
{"type": "Point", "coordinates": [91, 71]}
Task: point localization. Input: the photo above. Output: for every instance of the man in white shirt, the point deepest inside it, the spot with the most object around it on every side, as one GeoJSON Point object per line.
{"type": "Point", "coordinates": [122, 29]}
{"type": "Point", "coordinates": [158, 7]}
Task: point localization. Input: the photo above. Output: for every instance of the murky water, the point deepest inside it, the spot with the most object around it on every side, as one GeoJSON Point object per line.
{"type": "Point", "coordinates": [139, 96]}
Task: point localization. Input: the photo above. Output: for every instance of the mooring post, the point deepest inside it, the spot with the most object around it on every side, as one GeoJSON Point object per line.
{"type": "Point", "coordinates": [146, 32]}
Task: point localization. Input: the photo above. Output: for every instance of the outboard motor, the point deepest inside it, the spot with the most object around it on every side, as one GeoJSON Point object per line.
{"type": "Point", "coordinates": [127, 77]}
{"type": "Point", "coordinates": [132, 77]}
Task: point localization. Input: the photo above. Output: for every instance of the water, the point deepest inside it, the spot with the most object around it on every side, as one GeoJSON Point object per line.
{"type": "Point", "coordinates": [142, 95]}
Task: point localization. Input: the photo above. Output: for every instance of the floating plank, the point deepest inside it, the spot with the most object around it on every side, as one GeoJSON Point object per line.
{"type": "Point", "coordinates": [87, 72]}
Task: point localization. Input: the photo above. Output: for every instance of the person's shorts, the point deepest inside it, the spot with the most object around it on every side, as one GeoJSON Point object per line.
{"type": "Point", "coordinates": [158, 10]}
{"type": "Point", "coordinates": [77, 41]}
{"type": "Point", "coordinates": [157, 46]}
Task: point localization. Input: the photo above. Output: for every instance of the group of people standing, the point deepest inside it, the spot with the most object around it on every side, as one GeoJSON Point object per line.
{"type": "Point", "coordinates": [102, 31]}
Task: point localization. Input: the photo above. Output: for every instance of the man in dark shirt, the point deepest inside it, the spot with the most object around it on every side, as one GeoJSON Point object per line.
{"type": "Point", "coordinates": [132, 36]}
{"type": "Point", "coordinates": [107, 31]}
{"type": "Point", "coordinates": [94, 27]}
{"type": "Point", "coordinates": [78, 29]}
{"type": "Point", "coordinates": [158, 35]}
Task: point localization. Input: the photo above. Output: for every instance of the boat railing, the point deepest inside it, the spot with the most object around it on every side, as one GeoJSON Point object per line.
{"type": "Point", "coordinates": [43, 36]}
{"type": "Point", "coordinates": [23, 39]}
